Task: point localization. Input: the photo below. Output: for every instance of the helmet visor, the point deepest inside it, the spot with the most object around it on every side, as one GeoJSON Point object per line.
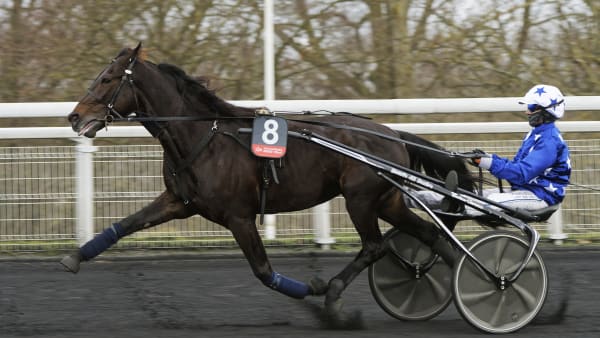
{"type": "Point", "coordinates": [532, 107]}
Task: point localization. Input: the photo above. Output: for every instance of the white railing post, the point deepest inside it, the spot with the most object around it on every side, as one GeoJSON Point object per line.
{"type": "Point", "coordinates": [322, 226]}
{"type": "Point", "coordinates": [270, 228]}
{"type": "Point", "coordinates": [84, 171]}
{"type": "Point", "coordinates": [269, 86]}
{"type": "Point", "coordinates": [555, 231]}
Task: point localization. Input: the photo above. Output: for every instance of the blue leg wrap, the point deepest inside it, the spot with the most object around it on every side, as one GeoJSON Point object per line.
{"type": "Point", "coordinates": [101, 242]}
{"type": "Point", "coordinates": [287, 286]}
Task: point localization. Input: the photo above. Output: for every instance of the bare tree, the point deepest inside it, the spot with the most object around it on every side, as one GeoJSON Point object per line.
{"type": "Point", "coordinates": [325, 48]}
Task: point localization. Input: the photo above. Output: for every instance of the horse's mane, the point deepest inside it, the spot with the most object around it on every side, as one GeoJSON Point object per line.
{"type": "Point", "coordinates": [186, 84]}
{"type": "Point", "coordinates": [195, 89]}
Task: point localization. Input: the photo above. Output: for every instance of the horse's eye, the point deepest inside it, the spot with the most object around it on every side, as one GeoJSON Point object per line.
{"type": "Point", "coordinates": [105, 80]}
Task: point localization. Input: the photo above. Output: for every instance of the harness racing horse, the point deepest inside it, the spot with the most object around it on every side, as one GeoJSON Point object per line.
{"type": "Point", "coordinates": [209, 170]}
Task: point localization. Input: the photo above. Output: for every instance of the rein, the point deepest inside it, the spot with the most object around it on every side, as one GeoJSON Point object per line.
{"type": "Point", "coordinates": [143, 119]}
{"type": "Point", "coordinates": [391, 138]}
{"type": "Point", "coordinates": [319, 123]}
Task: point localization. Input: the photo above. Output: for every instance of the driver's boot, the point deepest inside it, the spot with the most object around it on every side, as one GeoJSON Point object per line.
{"type": "Point", "coordinates": [448, 203]}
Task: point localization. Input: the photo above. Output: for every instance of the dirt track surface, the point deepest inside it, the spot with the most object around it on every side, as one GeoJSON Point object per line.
{"type": "Point", "coordinates": [199, 296]}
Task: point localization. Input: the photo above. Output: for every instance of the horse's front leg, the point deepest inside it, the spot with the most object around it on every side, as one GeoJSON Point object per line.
{"type": "Point", "coordinates": [164, 208]}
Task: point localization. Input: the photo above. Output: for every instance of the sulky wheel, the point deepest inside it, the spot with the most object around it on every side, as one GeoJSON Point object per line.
{"type": "Point", "coordinates": [409, 283]}
{"type": "Point", "coordinates": [481, 301]}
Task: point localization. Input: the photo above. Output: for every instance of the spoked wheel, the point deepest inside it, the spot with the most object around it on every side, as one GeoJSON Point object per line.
{"type": "Point", "coordinates": [481, 301]}
{"type": "Point", "coordinates": [409, 283]}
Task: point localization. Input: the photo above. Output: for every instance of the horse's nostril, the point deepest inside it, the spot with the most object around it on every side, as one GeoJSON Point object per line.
{"type": "Point", "coordinates": [73, 117]}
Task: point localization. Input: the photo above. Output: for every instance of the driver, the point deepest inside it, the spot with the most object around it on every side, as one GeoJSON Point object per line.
{"type": "Point", "coordinates": [539, 172]}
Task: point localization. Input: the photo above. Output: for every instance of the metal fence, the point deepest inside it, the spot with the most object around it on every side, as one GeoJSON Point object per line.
{"type": "Point", "coordinates": [44, 205]}
{"type": "Point", "coordinates": [38, 197]}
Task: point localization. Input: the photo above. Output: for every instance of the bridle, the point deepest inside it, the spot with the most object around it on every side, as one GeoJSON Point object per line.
{"type": "Point", "coordinates": [127, 77]}
{"type": "Point", "coordinates": [111, 113]}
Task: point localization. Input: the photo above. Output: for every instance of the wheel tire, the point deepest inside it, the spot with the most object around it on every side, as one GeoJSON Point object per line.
{"type": "Point", "coordinates": [481, 302]}
{"type": "Point", "coordinates": [396, 288]}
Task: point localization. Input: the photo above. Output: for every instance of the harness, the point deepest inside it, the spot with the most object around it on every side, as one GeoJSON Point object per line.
{"type": "Point", "coordinates": [176, 163]}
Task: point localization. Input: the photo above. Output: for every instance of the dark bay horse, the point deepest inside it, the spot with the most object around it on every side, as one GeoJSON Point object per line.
{"type": "Point", "coordinates": [208, 171]}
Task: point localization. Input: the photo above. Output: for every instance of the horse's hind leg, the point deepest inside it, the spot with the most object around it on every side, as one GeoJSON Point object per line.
{"type": "Point", "coordinates": [164, 208]}
{"type": "Point", "coordinates": [246, 235]}
{"type": "Point", "coordinates": [365, 220]}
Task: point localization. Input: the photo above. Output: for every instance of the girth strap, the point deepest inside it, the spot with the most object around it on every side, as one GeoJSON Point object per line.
{"type": "Point", "coordinates": [269, 172]}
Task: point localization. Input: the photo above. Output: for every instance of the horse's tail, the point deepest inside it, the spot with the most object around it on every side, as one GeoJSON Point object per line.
{"type": "Point", "coordinates": [436, 164]}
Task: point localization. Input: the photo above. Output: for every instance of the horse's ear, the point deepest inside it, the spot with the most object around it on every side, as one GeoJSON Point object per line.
{"type": "Point", "coordinates": [139, 52]}
{"type": "Point", "coordinates": [137, 49]}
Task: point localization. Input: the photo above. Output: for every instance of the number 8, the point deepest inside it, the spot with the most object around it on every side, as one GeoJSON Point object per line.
{"type": "Point", "coordinates": [270, 136]}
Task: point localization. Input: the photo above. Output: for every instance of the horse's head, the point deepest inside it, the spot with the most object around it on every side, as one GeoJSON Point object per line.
{"type": "Point", "coordinates": [111, 95]}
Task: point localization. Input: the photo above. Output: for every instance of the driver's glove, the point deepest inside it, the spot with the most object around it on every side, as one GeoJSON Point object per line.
{"type": "Point", "coordinates": [482, 159]}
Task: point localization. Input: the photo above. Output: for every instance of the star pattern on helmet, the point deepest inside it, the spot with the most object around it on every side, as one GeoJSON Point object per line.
{"type": "Point", "coordinates": [551, 188]}
{"type": "Point", "coordinates": [540, 91]}
{"type": "Point", "coordinates": [553, 102]}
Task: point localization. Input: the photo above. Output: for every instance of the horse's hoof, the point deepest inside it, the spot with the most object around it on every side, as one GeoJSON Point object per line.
{"type": "Point", "coordinates": [334, 291]}
{"type": "Point", "coordinates": [71, 263]}
{"type": "Point", "coordinates": [336, 319]}
{"type": "Point", "coordinates": [318, 287]}
{"type": "Point", "coordinates": [334, 309]}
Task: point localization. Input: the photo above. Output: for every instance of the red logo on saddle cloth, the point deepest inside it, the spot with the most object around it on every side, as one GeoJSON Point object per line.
{"type": "Point", "coordinates": [268, 151]}
{"type": "Point", "coordinates": [269, 136]}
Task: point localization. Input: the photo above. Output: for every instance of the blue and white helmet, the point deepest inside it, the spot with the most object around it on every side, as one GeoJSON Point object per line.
{"type": "Point", "coordinates": [545, 97]}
